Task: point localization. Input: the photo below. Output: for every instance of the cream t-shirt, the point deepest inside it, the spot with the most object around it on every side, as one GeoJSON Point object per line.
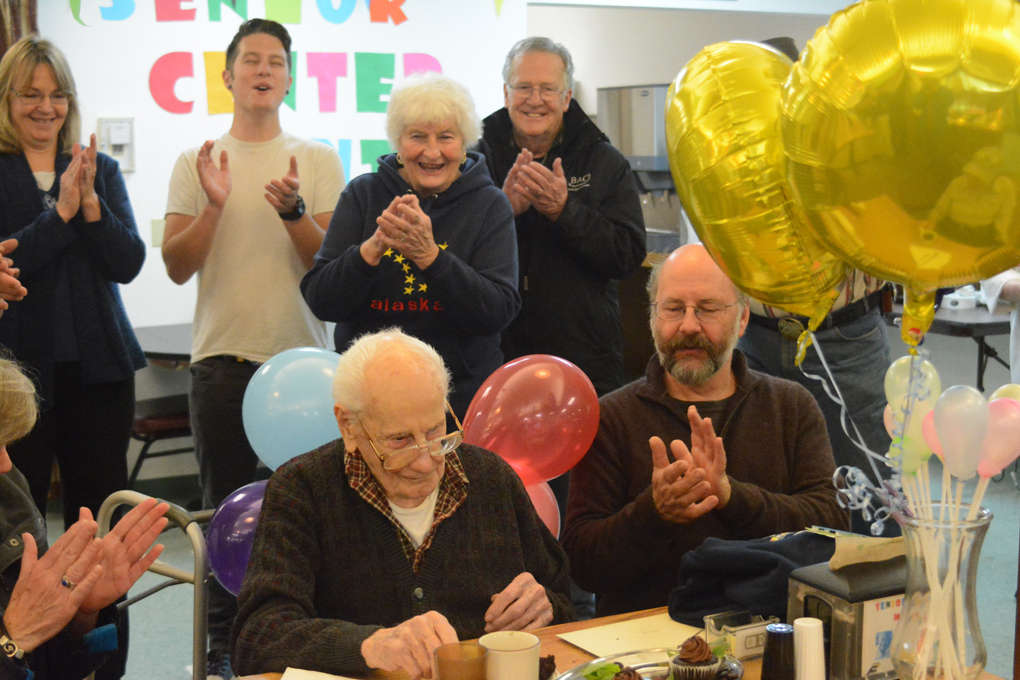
{"type": "Point", "coordinates": [249, 303]}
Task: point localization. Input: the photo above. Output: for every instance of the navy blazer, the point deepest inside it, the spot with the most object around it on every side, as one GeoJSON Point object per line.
{"type": "Point", "coordinates": [96, 257]}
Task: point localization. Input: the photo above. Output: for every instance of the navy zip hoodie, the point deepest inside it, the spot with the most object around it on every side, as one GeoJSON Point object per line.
{"type": "Point", "coordinates": [459, 304]}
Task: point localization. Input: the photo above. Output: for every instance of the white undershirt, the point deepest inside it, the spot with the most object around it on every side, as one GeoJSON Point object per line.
{"type": "Point", "coordinates": [44, 180]}
{"type": "Point", "coordinates": [417, 521]}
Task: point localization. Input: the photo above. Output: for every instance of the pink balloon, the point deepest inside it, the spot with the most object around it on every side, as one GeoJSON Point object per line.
{"type": "Point", "coordinates": [961, 420]}
{"type": "Point", "coordinates": [548, 510]}
{"type": "Point", "coordinates": [539, 413]}
{"type": "Point", "coordinates": [1002, 440]}
{"type": "Point", "coordinates": [887, 416]}
{"type": "Point", "coordinates": [931, 437]}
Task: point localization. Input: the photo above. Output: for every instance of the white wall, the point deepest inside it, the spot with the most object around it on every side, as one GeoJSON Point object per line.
{"type": "Point", "coordinates": [615, 47]}
{"type": "Point", "coordinates": [113, 55]}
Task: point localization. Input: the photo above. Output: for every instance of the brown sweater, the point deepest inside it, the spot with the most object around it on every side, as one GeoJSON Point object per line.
{"type": "Point", "coordinates": [778, 460]}
{"type": "Point", "coordinates": [327, 569]}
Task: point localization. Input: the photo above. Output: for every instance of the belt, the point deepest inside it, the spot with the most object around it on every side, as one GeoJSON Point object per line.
{"type": "Point", "coordinates": [792, 326]}
{"type": "Point", "coordinates": [234, 359]}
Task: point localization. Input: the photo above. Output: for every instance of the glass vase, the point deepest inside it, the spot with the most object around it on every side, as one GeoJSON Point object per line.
{"type": "Point", "coordinates": [939, 636]}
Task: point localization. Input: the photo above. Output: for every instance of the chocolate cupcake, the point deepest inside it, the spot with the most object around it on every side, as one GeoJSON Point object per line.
{"type": "Point", "coordinates": [628, 673]}
{"type": "Point", "coordinates": [695, 661]}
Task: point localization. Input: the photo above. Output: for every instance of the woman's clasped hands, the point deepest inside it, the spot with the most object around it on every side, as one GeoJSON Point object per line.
{"type": "Point", "coordinates": [404, 227]}
{"type": "Point", "coordinates": [78, 185]}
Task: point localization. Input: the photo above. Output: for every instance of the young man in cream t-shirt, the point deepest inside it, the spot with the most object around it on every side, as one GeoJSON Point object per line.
{"type": "Point", "coordinates": [248, 214]}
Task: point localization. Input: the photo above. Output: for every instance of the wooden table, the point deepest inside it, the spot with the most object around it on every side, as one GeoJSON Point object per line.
{"type": "Point", "coordinates": [568, 656]}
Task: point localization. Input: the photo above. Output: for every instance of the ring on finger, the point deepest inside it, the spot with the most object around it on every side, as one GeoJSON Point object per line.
{"type": "Point", "coordinates": [67, 583]}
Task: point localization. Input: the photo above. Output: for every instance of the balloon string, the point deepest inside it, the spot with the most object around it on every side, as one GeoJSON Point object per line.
{"type": "Point", "coordinates": [834, 393]}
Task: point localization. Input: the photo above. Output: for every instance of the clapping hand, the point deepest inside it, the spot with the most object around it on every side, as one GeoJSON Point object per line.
{"type": "Point", "coordinates": [69, 200]}
{"type": "Point", "coordinates": [215, 181]}
{"type": "Point", "coordinates": [517, 200]}
{"type": "Point", "coordinates": [51, 589]}
{"type": "Point", "coordinates": [10, 287]}
{"type": "Point", "coordinates": [534, 184]}
{"type": "Point", "coordinates": [405, 227]}
{"type": "Point", "coordinates": [90, 206]}
{"type": "Point", "coordinates": [696, 482]}
{"type": "Point", "coordinates": [126, 553]}
{"type": "Point", "coordinates": [283, 193]}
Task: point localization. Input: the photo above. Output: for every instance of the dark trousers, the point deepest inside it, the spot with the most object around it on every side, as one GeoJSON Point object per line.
{"type": "Point", "coordinates": [87, 431]}
{"type": "Point", "coordinates": [226, 461]}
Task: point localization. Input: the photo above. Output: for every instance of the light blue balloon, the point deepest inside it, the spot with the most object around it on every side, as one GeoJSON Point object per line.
{"type": "Point", "coordinates": [288, 405]}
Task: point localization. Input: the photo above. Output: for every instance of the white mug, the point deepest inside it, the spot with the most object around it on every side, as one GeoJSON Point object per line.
{"type": "Point", "coordinates": [513, 655]}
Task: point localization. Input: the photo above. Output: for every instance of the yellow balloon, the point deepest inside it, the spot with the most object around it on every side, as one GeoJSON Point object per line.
{"type": "Point", "coordinates": [901, 129]}
{"type": "Point", "coordinates": [726, 157]}
{"type": "Point", "coordinates": [1010, 391]}
{"type": "Point", "coordinates": [897, 380]}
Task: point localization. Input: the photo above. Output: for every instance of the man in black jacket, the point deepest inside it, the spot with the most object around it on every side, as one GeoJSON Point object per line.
{"type": "Point", "coordinates": [579, 223]}
{"type": "Point", "coordinates": [578, 219]}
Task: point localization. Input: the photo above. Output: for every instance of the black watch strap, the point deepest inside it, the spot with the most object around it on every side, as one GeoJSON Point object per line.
{"type": "Point", "coordinates": [297, 213]}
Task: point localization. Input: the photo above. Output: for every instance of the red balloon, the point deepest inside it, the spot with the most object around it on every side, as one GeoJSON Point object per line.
{"type": "Point", "coordinates": [544, 500]}
{"type": "Point", "coordinates": [539, 413]}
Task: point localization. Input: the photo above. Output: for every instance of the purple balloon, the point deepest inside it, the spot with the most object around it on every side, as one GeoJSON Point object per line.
{"type": "Point", "coordinates": [231, 533]}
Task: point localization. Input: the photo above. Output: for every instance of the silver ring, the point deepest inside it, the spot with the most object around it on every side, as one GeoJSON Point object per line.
{"type": "Point", "coordinates": [67, 583]}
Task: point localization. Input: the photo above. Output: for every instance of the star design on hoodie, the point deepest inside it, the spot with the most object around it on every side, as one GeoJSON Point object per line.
{"type": "Point", "coordinates": [422, 287]}
{"type": "Point", "coordinates": [409, 290]}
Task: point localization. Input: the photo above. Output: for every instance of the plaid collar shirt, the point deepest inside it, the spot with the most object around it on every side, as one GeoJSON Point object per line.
{"type": "Point", "coordinates": [452, 494]}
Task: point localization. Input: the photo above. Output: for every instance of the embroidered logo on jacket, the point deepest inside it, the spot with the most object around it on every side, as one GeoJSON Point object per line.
{"type": "Point", "coordinates": [578, 183]}
{"type": "Point", "coordinates": [409, 286]}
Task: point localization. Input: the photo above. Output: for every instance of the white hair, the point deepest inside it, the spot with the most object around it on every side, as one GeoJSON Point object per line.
{"type": "Point", "coordinates": [431, 98]}
{"type": "Point", "coordinates": [539, 44]}
{"type": "Point", "coordinates": [349, 383]}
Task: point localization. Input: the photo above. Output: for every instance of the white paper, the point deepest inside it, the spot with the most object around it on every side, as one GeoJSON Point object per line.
{"type": "Point", "coordinates": [299, 674]}
{"type": "Point", "coordinates": [649, 632]}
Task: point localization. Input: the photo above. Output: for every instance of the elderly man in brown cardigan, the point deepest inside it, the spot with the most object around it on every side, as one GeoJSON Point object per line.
{"type": "Point", "coordinates": [376, 548]}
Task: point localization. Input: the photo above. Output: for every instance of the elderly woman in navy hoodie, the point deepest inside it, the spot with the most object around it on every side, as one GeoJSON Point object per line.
{"type": "Point", "coordinates": [426, 243]}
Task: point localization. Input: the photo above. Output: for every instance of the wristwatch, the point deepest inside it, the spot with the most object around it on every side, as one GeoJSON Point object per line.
{"type": "Point", "coordinates": [297, 213]}
{"type": "Point", "coordinates": [11, 648]}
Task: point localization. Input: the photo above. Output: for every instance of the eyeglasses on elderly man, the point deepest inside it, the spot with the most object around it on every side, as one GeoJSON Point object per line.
{"type": "Point", "coordinates": [400, 455]}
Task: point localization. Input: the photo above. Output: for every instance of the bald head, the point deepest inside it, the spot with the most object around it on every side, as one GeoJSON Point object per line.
{"type": "Point", "coordinates": [694, 259]}
{"type": "Point", "coordinates": [697, 315]}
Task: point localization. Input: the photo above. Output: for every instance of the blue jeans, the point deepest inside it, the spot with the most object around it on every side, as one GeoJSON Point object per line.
{"type": "Point", "coordinates": [857, 353]}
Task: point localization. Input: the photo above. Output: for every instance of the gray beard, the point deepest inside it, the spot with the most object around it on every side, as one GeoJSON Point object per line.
{"type": "Point", "coordinates": [686, 373]}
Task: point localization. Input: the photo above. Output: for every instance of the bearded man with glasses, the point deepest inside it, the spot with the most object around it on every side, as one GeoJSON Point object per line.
{"type": "Point", "coordinates": [375, 549]}
{"type": "Point", "coordinates": [748, 455]}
